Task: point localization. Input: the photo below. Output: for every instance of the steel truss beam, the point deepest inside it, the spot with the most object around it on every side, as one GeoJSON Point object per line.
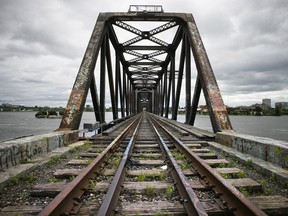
{"type": "Point", "coordinates": [146, 72]}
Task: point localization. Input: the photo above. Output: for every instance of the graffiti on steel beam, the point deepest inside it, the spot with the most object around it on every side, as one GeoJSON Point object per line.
{"type": "Point", "coordinates": [83, 73]}
{"type": "Point", "coordinates": [223, 120]}
{"type": "Point", "coordinates": [215, 97]}
{"type": "Point", "coordinates": [73, 105]}
{"type": "Point", "coordinates": [195, 33]}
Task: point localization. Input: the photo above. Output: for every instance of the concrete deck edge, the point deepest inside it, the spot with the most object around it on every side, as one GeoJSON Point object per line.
{"type": "Point", "coordinates": [17, 151]}
{"type": "Point", "coordinates": [33, 164]}
{"type": "Point", "coordinates": [275, 172]}
{"type": "Point", "coordinates": [270, 150]}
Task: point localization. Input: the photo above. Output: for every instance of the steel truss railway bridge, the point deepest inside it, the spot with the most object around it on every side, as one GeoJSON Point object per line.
{"type": "Point", "coordinates": [145, 56]}
{"type": "Point", "coordinates": [144, 68]}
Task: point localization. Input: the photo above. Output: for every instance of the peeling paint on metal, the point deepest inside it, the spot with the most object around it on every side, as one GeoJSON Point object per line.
{"type": "Point", "coordinates": [73, 104]}
{"type": "Point", "coordinates": [83, 73]}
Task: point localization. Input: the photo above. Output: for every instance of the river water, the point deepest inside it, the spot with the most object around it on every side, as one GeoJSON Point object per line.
{"type": "Point", "coordinates": [16, 124]}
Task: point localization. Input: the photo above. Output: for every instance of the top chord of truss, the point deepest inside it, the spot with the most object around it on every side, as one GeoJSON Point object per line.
{"type": "Point", "coordinates": [146, 8]}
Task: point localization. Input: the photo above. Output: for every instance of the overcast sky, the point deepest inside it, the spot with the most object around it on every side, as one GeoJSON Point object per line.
{"type": "Point", "coordinates": [42, 44]}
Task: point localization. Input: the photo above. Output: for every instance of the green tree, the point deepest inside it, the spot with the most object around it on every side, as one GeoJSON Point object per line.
{"type": "Point", "coordinates": [278, 111]}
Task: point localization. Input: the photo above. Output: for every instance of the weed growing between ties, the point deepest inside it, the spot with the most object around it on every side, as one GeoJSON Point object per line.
{"type": "Point", "coordinates": [88, 161]}
{"type": "Point", "coordinates": [185, 165]}
{"type": "Point", "coordinates": [249, 164]}
{"type": "Point", "coordinates": [237, 175]}
{"type": "Point", "coordinates": [54, 180]}
{"type": "Point", "coordinates": [266, 190]}
{"type": "Point", "coordinates": [240, 174]}
{"type": "Point", "coordinates": [141, 177]}
{"type": "Point", "coordinates": [224, 165]}
{"type": "Point", "coordinates": [150, 191]}
{"type": "Point", "coordinates": [115, 161]}
{"type": "Point", "coordinates": [72, 178]}
{"type": "Point", "coordinates": [92, 183]}
{"type": "Point", "coordinates": [22, 179]}
{"type": "Point", "coordinates": [87, 144]}
{"type": "Point", "coordinates": [151, 177]}
{"type": "Point", "coordinates": [169, 191]}
{"type": "Point", "coordinates": [99, 150]}
{"type": "Point", "coordinates": [179, 156]}
{"type": "Point", "coordinates": [244, 191]}
{"type": "Point", "coordinates": [54, 160]}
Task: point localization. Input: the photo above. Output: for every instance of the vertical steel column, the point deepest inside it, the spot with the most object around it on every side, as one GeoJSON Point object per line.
{"type": "Point", "coordinates": [121, 95]}
{"type": "Point", "coordinates": [75, 106]}
{"type": "Point", "coordinates": [117, 74]}
{"type": "Point", "coordinates": [110, 77]}
{"type": "Point", "coordinates": [130, 98]}
{"type": "Point", "coordinates": [160, 96]}
{"type": "Point", "coordinates": [133, 104]}
{"type": "Point", "coordinates": [102, 81]}
{"type": "Point", "coordinates": [173, 79]}
{"type": "Point", "coordinates": [128, 102]}
{"type": "Point", "coordinates": [95, 99]}
{"type": "Point", "coordinates": [133, 108]}
{"type": "Point", "coordinates": [179, 83]}
{"type": "Point", "coordinates": [217, 110]}
{"type": "Point", "coordinates": [153, 101]}
{"type": "Point", "coordinates": [157, 100]}
{"type": "Point", "coordinates": [195, 102]}
{"type": "Point", "coordinates": [135, 93]}
{"type": "Point", "coordinates": [188, 78]}
{"type": "Point", "coordinates": [164, 90]}
{"type": "Point", "coordinates": [168, 94]}
{"type": "Point", "coordinates": [123, 110]}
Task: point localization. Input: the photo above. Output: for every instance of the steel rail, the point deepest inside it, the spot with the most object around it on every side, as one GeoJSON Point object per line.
{"type": "Point", "coordinates": [191, 202]}
{"type": "Point", "coordinates": [235, 201]}
{"type": "Point", "coordinates": [110, 200]}
{"type": "Point", "coordinates": [69, 199]}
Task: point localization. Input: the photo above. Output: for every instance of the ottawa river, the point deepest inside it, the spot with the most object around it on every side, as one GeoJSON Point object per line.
{"type": "Point", "coordinates": [16, 124]}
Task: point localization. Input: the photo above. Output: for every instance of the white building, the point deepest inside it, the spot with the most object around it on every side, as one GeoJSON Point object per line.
{"type": "Point", "coordinates": [266, 102]}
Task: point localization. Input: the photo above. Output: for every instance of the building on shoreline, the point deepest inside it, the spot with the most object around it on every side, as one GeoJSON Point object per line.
{"type": "Point", "coordinates": [281, 105]}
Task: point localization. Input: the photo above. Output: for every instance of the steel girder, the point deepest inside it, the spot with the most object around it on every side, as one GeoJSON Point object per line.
{"type": "Point", "coordinates": [146, 64]}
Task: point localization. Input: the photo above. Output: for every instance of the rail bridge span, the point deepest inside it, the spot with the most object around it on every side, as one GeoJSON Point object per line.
{"type": "Point", "coordinates": [143, 62]}
{"type": "Point", "coordinates": [145, 55]}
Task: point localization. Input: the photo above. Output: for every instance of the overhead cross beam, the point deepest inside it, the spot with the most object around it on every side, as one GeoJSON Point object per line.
{"type": "Point", "coordinates": [145, 66]}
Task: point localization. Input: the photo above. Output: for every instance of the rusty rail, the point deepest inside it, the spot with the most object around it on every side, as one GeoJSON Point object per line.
{"type": "Point", "coordinates": [68, 201]}
{"type": "Point", "coordinates": [190, 200]}
{"type": "Point", "coordinates": [235, 201]}
{"type": "Point", "coordinates": [109, 202]}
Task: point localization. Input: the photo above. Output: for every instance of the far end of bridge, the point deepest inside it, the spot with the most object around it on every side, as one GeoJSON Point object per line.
{"type": "Point", "coordinates": [145, 59]}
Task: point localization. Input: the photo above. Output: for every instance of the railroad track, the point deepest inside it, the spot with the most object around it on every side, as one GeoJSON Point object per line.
{"type": "Point", "coordinates": [145, 151]}
{"type": "Point", "coordinates": [145, 169]}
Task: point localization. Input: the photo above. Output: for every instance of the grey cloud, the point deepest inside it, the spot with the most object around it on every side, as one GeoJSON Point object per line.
{"type": "Point", "coordinates": [42, 45]}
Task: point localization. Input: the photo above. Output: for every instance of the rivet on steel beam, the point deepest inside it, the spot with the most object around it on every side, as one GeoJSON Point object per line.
{"type": "Point", "coordinates": [212, 186]}
{"type": "Point", "coordinates": [218, 194]}
{"type": "Point", "coordinates": [86, 190]}
{"type": "Point", "coordinates": [77, 199]}
{"type": "Point", "coordinates": [203, 177]}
